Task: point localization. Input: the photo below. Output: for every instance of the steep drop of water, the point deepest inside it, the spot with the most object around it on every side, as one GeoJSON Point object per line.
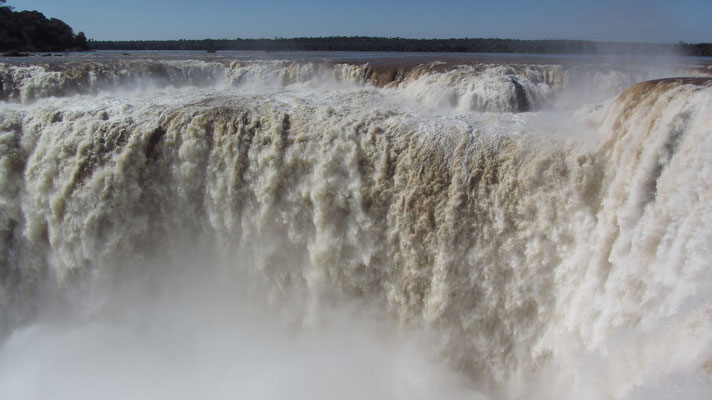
{"type": "Point", "coordinates": [531, 259]}
{"type": "Point", "coordinates": [476, 87]}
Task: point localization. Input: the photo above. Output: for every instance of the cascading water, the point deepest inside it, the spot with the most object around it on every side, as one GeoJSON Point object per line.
{"type": "Point", "coordinates": [270, 229]}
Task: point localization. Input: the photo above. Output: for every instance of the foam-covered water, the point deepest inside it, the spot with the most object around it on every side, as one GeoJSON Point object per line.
{"type": "Point", "coordinates": [270, 229]}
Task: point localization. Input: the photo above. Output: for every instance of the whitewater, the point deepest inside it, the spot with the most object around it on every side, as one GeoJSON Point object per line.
{"type": "Point", "coordinates": [350, 225]}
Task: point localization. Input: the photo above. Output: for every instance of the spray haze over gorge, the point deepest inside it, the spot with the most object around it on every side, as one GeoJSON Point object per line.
{"type": "Point", "coordinates": [349, 225]}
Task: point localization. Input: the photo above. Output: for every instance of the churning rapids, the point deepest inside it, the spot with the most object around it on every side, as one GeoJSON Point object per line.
{"type": "Point", "coordinates": [394, 228]}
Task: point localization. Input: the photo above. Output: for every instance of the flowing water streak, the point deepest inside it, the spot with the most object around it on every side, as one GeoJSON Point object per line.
{"type": "Point", "coordinates": [532, 258]}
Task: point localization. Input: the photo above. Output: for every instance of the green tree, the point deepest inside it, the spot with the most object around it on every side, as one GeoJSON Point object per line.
{"type": "Point", "coordinates": [80, 41]}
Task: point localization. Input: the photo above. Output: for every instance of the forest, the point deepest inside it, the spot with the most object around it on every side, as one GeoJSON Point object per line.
{"type": "Point", "coordinates": [362, 43]}
{"type": "Point", "coordinates": [32, 31]}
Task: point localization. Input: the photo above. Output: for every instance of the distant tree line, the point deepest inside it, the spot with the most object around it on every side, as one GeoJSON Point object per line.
{"type": "Point", "coordinates": [696, 49]}
{"type": "Point", "coordinates": [32, 31]}
{"type": "Point", "coordinates": [362, 43]}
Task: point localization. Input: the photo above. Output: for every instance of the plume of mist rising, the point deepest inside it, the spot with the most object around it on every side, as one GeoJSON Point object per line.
{"type": "Point", "coordinates": [176, 333]}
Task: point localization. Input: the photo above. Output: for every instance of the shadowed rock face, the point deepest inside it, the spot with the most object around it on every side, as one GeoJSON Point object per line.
{"type": "Point", "coordinates": [521, 103]}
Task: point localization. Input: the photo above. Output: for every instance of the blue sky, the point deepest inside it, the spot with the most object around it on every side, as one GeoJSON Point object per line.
{"type": "Point", "coordinates": [634, 20]}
